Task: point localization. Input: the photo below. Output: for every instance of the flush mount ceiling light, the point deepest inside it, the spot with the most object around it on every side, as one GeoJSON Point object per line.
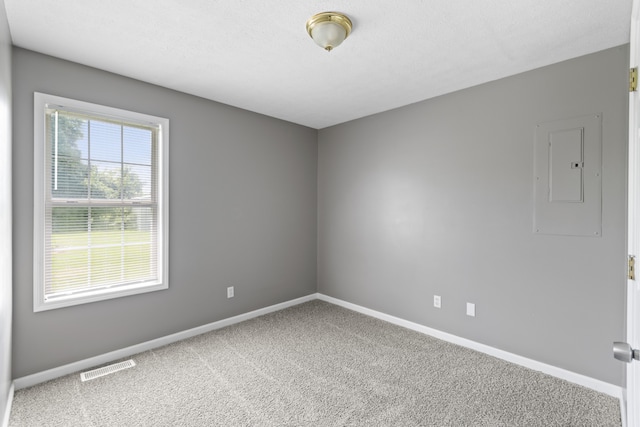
{"type": "Point", "coordinates": [329, 29]}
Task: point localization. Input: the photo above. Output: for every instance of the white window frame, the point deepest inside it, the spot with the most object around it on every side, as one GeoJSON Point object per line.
{"type": "Point", "coordinates": [41, 103]}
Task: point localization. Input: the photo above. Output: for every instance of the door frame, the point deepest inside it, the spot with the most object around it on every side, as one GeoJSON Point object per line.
{"type": "Point", "coordinates": [632, 389]}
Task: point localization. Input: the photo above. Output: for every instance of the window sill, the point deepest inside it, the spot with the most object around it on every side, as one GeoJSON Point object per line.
{"type": "Point", "coordinates": [61, 301]}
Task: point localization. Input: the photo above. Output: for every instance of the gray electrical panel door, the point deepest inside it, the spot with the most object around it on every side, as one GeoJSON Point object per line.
{"type": "Point", "coordinates": [568, 177]}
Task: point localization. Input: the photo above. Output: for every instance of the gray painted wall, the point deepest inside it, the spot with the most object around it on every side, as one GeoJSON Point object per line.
{"type": "Point", "coordinates": [243, 196]}
{"type": "Point", "coordinates": [432, 198]}
{"type": "Point", "coordinates": [437, 198]}
{"type": "Point", "coordinates": [5, 210]}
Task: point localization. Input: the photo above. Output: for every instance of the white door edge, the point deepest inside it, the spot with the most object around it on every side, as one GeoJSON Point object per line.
{"type": "Point", "coordinates": [632, 390]}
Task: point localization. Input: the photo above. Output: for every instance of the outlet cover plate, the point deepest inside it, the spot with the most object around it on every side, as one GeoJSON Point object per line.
{"type": "Point", "coordinates": [471, 309]}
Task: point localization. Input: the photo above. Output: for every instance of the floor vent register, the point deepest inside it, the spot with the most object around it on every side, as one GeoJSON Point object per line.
{"type": "Point", "coordinates": [106, 370]}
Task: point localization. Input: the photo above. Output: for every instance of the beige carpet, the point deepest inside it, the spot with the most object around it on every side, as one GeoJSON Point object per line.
{"type": "Point", "coordinates": [315, 364]}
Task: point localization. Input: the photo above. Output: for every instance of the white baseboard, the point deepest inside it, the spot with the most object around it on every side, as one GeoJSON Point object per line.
{"type": "Point", "coordinates": [564, 374]}
{"type": "Point", "coordinates": [40, 377]}
{"type": "Point", "coordinates": [592, 383]}
{"type": "Point", "coordinates": [7, 408]}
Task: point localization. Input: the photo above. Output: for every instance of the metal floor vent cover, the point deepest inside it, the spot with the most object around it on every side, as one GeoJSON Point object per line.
{"type": "Point", "coordinates": [106, 370]}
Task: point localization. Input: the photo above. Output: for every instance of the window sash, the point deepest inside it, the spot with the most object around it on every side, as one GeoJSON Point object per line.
{"type": "Point", "coordinates": [131, 254]}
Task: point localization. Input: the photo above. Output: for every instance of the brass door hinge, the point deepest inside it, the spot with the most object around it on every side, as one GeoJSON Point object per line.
{"type": "Point", "coordinates": [633, 79]}
{"type": "Point", "coordinates": [632, 267]}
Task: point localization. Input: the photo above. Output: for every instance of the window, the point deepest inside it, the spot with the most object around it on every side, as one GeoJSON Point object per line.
{"type": "Point", "coordinates": [100, 202]}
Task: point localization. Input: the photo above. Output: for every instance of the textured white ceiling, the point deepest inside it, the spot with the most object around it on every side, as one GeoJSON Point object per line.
{"type": "Point", "coordinates": [257, 55]}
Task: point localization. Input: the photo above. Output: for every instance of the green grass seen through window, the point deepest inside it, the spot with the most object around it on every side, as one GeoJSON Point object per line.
{"type": "Point", "coordinates": [96, 259]}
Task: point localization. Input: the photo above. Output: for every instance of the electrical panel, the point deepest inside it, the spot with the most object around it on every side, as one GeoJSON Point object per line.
{"type": "Point", "coordinates": [568, 177]}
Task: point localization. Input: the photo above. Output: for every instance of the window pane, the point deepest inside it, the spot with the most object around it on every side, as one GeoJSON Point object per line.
{"type": "Point", "coordinates": [140, 223]}
{"type": "Point", "coordinates": [69, 252]}
{"type": "Point", "coordinates": [69, 268]}
{"type": "Point", "coordinates": [105, 141]}
{"type": "Point", "coordinates": [137, 146]}
{"type": "Point", "coordinates": [141, 220]}
{"type": "Point", "coordinates": [72, 135]}
{"type": "Point", "coordinates": [106, 180]}
{"type": "Point", "coordinates": [106, 265]}
{"type": "Point", "coordinates": [106, 224]}
{"type": "Point", "coordinates": [137, 182]}
{"type": "Point", "coordinates": [66, 137]}
{"type": "Point", "coordinates": [140, 263]}
{"type": "Point", "coordinates": [69, 226]}
{"type": "Point", "coordinates": [69, 178]}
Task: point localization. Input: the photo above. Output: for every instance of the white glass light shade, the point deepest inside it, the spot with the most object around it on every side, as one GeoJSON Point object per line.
{"type": "Point", "coordinates": [328, 34]}
{"type": "Point", "coordinates": [329, 29]}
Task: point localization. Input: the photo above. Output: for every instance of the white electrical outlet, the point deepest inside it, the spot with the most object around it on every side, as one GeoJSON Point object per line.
{"type": "Point", "coordinates": [437, 301]}
{"type": "Point", "coordinates": [471, 309]}
{"type": "Point", "coordinates": [230, 292]}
